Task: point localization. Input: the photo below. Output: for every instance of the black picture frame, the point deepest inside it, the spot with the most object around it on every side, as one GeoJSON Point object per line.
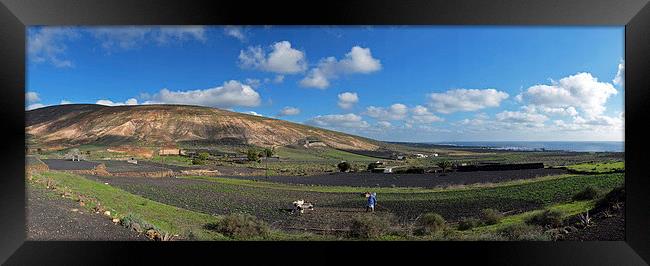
{"type": "Point", "coordinates": [15, 15]}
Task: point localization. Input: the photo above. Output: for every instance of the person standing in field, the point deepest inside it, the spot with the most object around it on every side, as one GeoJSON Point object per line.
{"type": "Point", "coordinates": [372, 201]}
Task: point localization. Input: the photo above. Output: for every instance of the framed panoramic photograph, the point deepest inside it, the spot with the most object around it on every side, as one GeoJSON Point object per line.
{"type": "Point", "coordinates": [370, 126]}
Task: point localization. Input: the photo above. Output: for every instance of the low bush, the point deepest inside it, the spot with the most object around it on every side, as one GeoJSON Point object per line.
{"type": "Point", "coordinates": [431, 223]}
{"type": "Point", "coordinates": [241, 226]}
{"type": "Point", "coordinates": [197, 161]}
{"type": "Point", "coordinates": [369, 226]}
{"type": "Point", "coordinates": [468, 223]}
{"type": "Point", "coordinates": [136, 223]}
{"type": "Point", "coordinates": [617, 195]}
{"type": "Point", "coordinates": [588, 193]}
{"type": "Point", "coordinates": [344, 166]}
{"type": "Point", "coordinates": [491, 216]}
{"type": "Point", "coordinates": [551, 218]}
{"type": "Point", "coordinates": [524, 232]}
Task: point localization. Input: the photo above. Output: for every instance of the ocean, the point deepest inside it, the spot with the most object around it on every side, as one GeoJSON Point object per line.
{"type": "Point", "coordinates": [577, 146]}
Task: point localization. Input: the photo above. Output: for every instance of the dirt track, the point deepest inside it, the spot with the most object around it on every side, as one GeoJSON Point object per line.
{"type": "Point", "coordinates": [409, 180]}
{"type": "Point", "coordinates": [50, 217]}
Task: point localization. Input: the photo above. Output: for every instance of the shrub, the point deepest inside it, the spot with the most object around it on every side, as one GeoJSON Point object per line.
{"type": "Point", "coordinates": [344, 166]}
{"type": "Point", "coordinates": [372, 166]}
{"type": "Point", "coordinates": [203, 156]}
{"type": "Point", "coordinates": [136, 223]}
{"type": "Point", "coordinates": [267, 152]}
{"type": "Point", "coordinates": [546, 218]}
{"type": "Point", "coordinates": [468, 223]}
{"type": "Point", "coordinates": [252, 155]}
{"type": "Point", "coordinates": [524, 232]}
{"type": "Point", "coordinates": [415, 170]}
{"type": "Point", "coordinates": [615, 196]}
{"type": "Point", "coordinates": [197, 161]}
{"type": "Point", "coordinates": [445, 165]}
{"type": "Point", "coordinates": [588, 193]}
{"type": "Point", "coordinates": [431, 223]}
{"type": "Point", "coordinates": [491, 216]}
{"type": "Point", "coordinates": [368, 226]}
{"type": "Point", "coordinates": [241, 226]}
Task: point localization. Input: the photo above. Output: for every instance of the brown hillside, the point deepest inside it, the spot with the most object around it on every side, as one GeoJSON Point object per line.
{"type": "Point", "coordinates": [156, 124]}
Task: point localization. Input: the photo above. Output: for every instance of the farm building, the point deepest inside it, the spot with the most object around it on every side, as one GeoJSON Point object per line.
{"type": "Point", "coordinates": [171, 151]}
{"type": "Point", "coordinates": [314, 143]}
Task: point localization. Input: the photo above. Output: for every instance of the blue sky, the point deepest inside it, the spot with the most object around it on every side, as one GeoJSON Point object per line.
{"type": "Point", "coordinates": [402, 83]}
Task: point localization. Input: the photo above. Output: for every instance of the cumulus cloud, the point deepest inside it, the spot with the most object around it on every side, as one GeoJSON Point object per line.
{"type": "Point", "coordinates": [396, 111]}
{"type": "Point", "coordinates": [288, 110]}
{"type": "Point", "coordinates": [131, 101]}
{"type": "Point", "coordinates": [236, 32]}
{"type": "Point", "coordinates": [347, 99]}
{"type": "Point", "coordinates": [596, 123]}
{"type": "Point", "coordinates": [463, 100]}
{"type": "Point", "coordinates": [253, 82]}
{"type": "Point", "coordinates": [65, 102]}
{"type": "Point", "coordinates": [358, 61]}
{"type": "Point", "coordinates": [581, 91]}
{"type": "Point", "coordinates": [48, 44]}
{"type": "Point", "coordinates": [230, 94]}
{"type": "Point", "coordinates": [282, 59]}
{"type": "Point", "coordinates": [32, 97]}
{"type": "Point", "coordinates": [620, 75]}
{"type": "Point", "coordinates": [422, 114]}
{"type": "Point", "coordinates": [350, 121]}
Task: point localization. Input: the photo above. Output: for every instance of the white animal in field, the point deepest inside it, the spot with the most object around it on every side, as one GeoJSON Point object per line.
{"type": "Point", "coordinates": [301, 206]}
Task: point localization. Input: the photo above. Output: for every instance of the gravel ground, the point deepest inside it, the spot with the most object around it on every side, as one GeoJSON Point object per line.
{"type": "Point", "coordinates": [409, 180]}
{"type": "Point", "coordinates": [50, 217]}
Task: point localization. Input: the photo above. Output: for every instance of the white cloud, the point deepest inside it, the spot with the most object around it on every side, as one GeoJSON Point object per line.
{"type": "Point", "coordinates": [65, 102]}
{"type": "Point", "coordinates": [620, 75]}
{"type": "Point", "coordinates": [347, 99]}
{"type": "Point", "coordinates": [130, 37]}
{"type": "Point", "coordinates": [47, 44]}
{"type": "Point", "coordinates": [339, 121]}
{"type": "Point", "coordinates": [421, 114]}
{"type": "Point", "coordinates": [282, 59]}
{"type": "Point", "coordinates": [180, 33]}
{"type": "Point", "coordinates": [131, 101]}
{"type": "Point", "coordinates": [526, 118]}
{"type": "Point", "coordinates": [232, 93]}
{"type": "Point", "coordinates": [396, 111]}
{"type": "Point", "coordinates": [462, 100]}
{"type": "Point", "coordinates": [384, 124]}
{"type": "Point", "coordinates": [253, 113]}
{"type": "Point", "coordinates": [581, 91]}
{"type": "Point", "coordinates": [253, 82]}
{"type": "Point", "coordinates": [236, 32]}
{"type": "Point", "coordinates": [32, 97]}
{"type": "Point", "coordinates": [358, 61]}
{"type": "Point", "coordinates": [288, 110]}
{"type": "Point", "coordinates": [278, 79]}
{"type": "Point", "coordinates": [36, 106]}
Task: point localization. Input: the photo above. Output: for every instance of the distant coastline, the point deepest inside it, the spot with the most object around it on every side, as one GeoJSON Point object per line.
{"type": "Point", "coordinates": [574, 146]}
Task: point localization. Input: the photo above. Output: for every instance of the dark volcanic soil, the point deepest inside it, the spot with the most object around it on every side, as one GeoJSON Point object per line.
{"type": "Point", "coordinates": [60, 164]}
{"type": "Point", "coordinates": [409, 180]}
{"type": "Point", "coordinates": [603, 229]}
{"type": "Point", "coordinates": [332, 210]}
{"type": "Point", "coordinates": [50, 217]}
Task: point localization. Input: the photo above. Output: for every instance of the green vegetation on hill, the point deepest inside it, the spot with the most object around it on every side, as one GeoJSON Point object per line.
{"type": "Point", "coordinates": [602, 167]}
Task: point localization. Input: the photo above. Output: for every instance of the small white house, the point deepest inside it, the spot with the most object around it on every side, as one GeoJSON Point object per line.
{"type": "Point", "coordinates": [388, 170]}
{"type": "Point", "coordinates": [420, 155]}
{"type": "Point", "coordinates": [434, 155]}
{"type": "Point", "coordinates": [132, 160]}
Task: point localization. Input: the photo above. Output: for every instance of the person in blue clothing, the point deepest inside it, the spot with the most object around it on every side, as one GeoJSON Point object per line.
{"type": "Point", "coordinates": [372, 201]}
